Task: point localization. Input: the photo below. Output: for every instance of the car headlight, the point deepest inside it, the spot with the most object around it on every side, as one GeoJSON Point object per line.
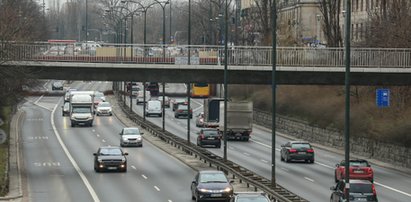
{"type": "Point", "coordinates": [124, 139]}
{"type": "Point", "coordinates": [204, 190]}
{"type": "Point", "coordinates": [228, 189]}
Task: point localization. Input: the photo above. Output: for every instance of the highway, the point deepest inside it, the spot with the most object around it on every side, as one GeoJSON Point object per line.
{"type": "Point", "coordinates": [310, 181]}
{"type": "Point", "coordinates": [58, 160]}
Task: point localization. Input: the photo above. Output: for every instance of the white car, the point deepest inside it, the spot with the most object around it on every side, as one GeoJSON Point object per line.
{"type": "Point", "coordinates": [131, 137]}
{"type": "Point", "coordinates": [104, 108]}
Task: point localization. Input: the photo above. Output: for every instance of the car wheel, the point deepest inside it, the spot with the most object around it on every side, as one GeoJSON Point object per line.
{"type": "Point", "coordinates": [287, 159]}
{"type": "Point", "coordinates": [281, 157]}
{"type": "Point", "coordinates": [218, 146]}
{"type": "Point", "coordinates": [72, 124]}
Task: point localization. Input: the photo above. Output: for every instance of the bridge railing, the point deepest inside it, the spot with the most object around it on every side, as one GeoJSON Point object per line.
{"type": "Point", "coordinates": [204, 55]}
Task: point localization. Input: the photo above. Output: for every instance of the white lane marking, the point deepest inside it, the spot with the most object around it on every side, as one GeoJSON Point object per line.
{"type": "Point", "coordinates": [93, 130]}
{"type": "Point", "coordinates": [158, 189]}
{"type": "Point", "coordinates": [97, 135]}
{"type": "Point", "coordinates": [264, 161]}
{"type": "Point", "coordinates": [103, 140]}
{"type": "Point", "coordinates": [170, 201]}
{"type": "Point", "coordinates": [327, 166]}
{"type": "Point", "coordinates": [73, 162]}
{"type": "Point", "coordinates": [285, 169]}
{"type": "Point", "coordinates": [133, 167]}
{"type": "Point", "coordinates": [145, 177]}
{"type": "Point", "coordinates": [247, 154]}
{"type": "Point", "coordinates": [392, 189]}
{"type": "Point", "coordinates": [35, 102]}
{"type": "Point", "coordinates": [309, 179]}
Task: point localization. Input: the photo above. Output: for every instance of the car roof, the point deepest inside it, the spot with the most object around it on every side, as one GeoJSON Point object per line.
{"type": "Point", "coordinates": [299, 142]}
{"type": "Point", "coordinates": [250, 194]}
{"type": "Point", "coordinates": [109, 147]}
{"type": "Point", "coordinates": [357, 181]}
{"type": "Point", "coordinates": [210, 171]}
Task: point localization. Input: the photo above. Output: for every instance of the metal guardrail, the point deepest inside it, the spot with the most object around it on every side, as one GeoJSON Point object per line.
{"type": "Point", "coordinates": [277, 193]}
{"type": "Point", "coordinates": [205, 55]}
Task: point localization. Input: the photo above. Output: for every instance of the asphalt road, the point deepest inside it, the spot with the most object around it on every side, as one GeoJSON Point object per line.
{"type": "Point", "coordinates": [58, 159]}
{"type": "Point", "coordinates": [310, 181]}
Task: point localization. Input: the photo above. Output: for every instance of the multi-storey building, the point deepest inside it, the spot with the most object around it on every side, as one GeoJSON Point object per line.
{"type": "Point", "coordinates": [302, 20]}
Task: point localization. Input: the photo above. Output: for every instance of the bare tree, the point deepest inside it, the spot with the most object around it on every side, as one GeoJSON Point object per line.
{"type": "Point", "coordinates": [19, 21]}
{"type": "Point", "coordinates": [330, 10]}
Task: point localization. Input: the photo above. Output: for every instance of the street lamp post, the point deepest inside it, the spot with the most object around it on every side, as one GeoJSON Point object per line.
{"type": "Point", "coordinates": [163, 6]}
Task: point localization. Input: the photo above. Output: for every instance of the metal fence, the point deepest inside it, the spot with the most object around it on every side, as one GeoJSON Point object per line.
{"type": "Point", "coordinates": [204, 55]}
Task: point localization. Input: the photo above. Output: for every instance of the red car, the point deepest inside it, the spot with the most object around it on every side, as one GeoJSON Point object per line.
{"type": "Point", "coordinates": [359, 169]}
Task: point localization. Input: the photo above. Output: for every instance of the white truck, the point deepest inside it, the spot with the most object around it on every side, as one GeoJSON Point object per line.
{"type": "Point", "coordinates": [239, 120]}
{"type": "Point", "coordinates": [81, 109]}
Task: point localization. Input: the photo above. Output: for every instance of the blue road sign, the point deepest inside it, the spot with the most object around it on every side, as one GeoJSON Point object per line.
{"type": "Point", "coordinates": [383, 97]}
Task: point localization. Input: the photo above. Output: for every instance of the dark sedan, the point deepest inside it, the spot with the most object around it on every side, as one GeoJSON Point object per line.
{"type": "Point", "coordinates": [209, 136]}
{"type": "Point", "coordinates": [360, 191]}
{"type": "Point", "coordinates": [110, 159]}
{"type": "Point", "coordinates": [211, 185]}
{"type": "Point", "coordinates": [297, 150]}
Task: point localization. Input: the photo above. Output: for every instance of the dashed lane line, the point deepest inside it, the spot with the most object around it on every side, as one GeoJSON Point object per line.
{"type": "Point", "coordinates": [73, 162]}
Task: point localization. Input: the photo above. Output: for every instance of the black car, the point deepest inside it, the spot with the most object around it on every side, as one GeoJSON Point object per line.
{"type": "Point", "coordinates": [211, 185]}
{"type": "Point", "coordinates": [57, 85]}
{"type": "Point", "coordinates": [183, 111]}
{"type": "Point", "coordinates": [297, 150]}
{"type": "Point", "coordinates": [110, 159]}
{"type": "Point", "coordinates": [360, 190]}
{"type": "Point", "coordinates": [250, 197]}
{"type": "Point", "coordinates": [209, 136]}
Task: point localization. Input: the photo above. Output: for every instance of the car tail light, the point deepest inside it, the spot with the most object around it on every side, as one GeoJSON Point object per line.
{"type": "Point", "coordinates": [180, 110]}
{"type": "Point", "coordinates": [191, 111]}
{"type": "Point", "coordinates": [292, 150]}
{"type": "Point", "coordinates": [310, 150]}
{"type": "Point", "coordinates": [374, 191]}
{"type": "Point", "coordinates": [202, 137]}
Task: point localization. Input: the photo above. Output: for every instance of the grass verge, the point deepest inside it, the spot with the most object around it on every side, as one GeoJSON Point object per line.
{"type": "Point", "coordinates": [5, 113]}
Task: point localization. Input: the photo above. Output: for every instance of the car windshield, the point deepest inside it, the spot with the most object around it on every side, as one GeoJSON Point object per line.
{"type": "Point", "coordinates": [360, 188]}
{"type": "Point", "coordinates": [82, 110]}
{"type": "Point", "coordinates": [252, 198]}
{"type": "Point", "coordinates": [212, 177]}
{"type": "Point", "coordinates": [210, 133]}
{"type": "Point", "coordinates": [300, 145]}
{"type": "Point", "coordinates": [104, 104]}
{"type": "Point", "coordinates": [110, 152]}
{"type": "Point", "coordinates": [131, 131]}
{"type": "Point", "coordinates": [356, 163]}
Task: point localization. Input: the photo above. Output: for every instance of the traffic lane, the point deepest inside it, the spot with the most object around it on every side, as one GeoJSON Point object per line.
{"type": "Point", "coordinates": [165, 173]}
{"type": "Point", "coordinates": [45, 164]}
{"type": "Point", "coordinates": [389, 183]}
{"type": "Point", "coordinates": [316, 175]}
{"type": "Point", "coordinates": [105, 132]}
{"type": "Point", "coordinates": [252, 156]}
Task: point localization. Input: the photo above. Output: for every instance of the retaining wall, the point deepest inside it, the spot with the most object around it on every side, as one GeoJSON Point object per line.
{"type": "Point", "coordinates": [388, 153]}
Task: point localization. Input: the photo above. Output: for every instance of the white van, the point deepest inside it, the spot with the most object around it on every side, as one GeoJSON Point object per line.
{"type": "Point", "coordinates": [153, 107]}
{"type": "Point", "coordinates": [140, 97]}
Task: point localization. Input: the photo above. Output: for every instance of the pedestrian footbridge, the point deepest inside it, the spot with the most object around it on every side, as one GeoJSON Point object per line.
{"type": "Point", "coordinates": [171, 64]}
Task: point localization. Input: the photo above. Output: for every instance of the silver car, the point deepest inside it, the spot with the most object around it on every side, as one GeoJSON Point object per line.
{"type": "Point", "coordinates": [131, 137]}
{"type": "Point", "coordinates": [104, 108]}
